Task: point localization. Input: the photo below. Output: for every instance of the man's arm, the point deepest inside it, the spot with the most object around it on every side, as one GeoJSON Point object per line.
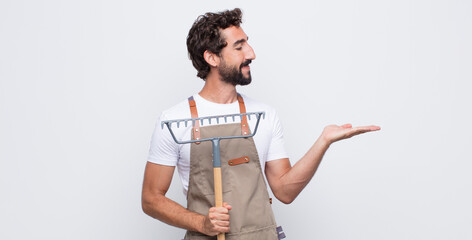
{"type": "Point", "coordinates": [157, 179]}
{"type": "Point", "coordinates": [287, 182]}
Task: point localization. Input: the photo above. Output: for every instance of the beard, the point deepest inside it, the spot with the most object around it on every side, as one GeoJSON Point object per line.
{"type": "Point", "coordinates": [234, 75]}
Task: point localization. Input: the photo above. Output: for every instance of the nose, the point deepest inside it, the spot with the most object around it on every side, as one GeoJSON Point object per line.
{"type": "Point", "coordinates": [250, 55]}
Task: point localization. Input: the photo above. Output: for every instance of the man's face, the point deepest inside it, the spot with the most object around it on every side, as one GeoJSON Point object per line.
{"type": "Point", "coordinates": [235, 57]}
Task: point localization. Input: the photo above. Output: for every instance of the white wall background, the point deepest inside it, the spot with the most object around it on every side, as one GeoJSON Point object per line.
{"type": "Point", "coordinates": [82, 83]}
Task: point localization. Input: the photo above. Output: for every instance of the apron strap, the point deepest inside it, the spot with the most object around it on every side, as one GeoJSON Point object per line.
{"type": "Point", "coordinates": [194, 114]}
{"type": "Point", "coordinates": [242, 109]}
{"type": "Point", "coordinates": [196, 126]}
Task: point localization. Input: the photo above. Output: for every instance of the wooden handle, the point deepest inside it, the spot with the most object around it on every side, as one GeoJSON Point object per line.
{"type": "Point", "coordinates": [218, 193]}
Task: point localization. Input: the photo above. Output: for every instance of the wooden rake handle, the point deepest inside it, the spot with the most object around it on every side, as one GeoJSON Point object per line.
{"type": "Point", "coordinates": [218, 193]}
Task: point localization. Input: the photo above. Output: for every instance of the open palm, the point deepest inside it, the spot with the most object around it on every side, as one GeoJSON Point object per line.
{"type": "Point", "coordinates": [333, 133]}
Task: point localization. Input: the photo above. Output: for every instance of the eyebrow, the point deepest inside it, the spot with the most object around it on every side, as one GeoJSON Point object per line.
{"type": "Point", "coordinates": [240, 41]}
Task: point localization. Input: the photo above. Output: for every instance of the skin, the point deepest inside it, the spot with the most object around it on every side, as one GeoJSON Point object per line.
{"type": "Point", "coordinates": [285, 181]}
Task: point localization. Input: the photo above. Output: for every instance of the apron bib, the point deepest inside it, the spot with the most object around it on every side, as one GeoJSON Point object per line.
{"type": "Point", "coordinates": [244, 187]}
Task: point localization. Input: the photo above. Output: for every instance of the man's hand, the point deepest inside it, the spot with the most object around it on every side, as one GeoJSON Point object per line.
{"type": "Point", "coordinates": [334, 133]}
{"type": "Point", "coordinates": [217, 220]}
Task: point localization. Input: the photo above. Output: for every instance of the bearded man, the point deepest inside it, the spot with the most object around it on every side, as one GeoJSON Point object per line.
{"type": "Point", "coordinates": [220, 51]}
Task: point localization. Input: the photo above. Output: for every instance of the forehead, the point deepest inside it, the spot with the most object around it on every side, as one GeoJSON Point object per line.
{"type": "Point", "coordinates": [233, 34]}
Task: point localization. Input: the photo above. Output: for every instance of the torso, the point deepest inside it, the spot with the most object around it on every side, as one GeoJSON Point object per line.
{"type": "Point", "coordinates": [268, 140]}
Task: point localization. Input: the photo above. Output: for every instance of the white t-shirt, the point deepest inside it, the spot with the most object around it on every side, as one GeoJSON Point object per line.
{"type": "Point", "coordinates": [268, 139]}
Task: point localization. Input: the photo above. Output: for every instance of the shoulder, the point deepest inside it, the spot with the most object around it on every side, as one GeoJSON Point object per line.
{"type": "Point", "coordinates": [178, 111]}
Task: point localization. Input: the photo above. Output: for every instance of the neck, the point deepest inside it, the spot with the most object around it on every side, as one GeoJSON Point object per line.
{"type": "Point", "coordinates": [218, 91]}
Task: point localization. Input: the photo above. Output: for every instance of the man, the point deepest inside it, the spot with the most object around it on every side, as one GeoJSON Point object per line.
{"type": "Point", "coordinates": [219, 50]}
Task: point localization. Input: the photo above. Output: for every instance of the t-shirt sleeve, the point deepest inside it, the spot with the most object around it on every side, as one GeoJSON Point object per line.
{"type": "Point", "coordinates": [277, 144]}
{"type": "Point", "coordinates": [163, 149]}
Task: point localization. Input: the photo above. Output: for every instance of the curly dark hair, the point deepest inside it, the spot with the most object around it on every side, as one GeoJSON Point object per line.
{"type": "Point", "coordinates": [205, 35]}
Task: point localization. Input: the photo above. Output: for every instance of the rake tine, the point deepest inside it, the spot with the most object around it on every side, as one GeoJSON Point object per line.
{"type": "Point", "coordinates": [196, 121]}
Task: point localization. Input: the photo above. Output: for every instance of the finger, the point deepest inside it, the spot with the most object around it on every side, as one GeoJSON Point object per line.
{"type": "Point", "coordinates": [360, 130]}
{"type": "Point", "coordinates": [372, 127]}
{"type": "Point", "coordinates": [347, 125]}
{"type": "Point", "coordinates": [367, 128]}
{"type": "Point", "coordinates": [217, 210]}
{"type": "Point", "coordinates": [222, 229]}
{"type": "Point", "coordinates": [355, 134]}
{"type": "Point", "coordinates": [220, 210]}
{"type": "Point", "coordinates": [219, 216]}
{"type": "Point", "coordinates": [222, 217]}
{"type": "Point", "coordinates": [217, 230]}
{"type": "Point", "coordinates": [213, 216]}
{"type": "Point", "coordinates": [227, 206]}
{"type": "Point", "coordinates": [222, 223]}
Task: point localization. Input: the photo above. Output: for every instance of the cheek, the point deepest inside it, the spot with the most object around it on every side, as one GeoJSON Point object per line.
{"type": "Point", "coordinates": [237, 56]}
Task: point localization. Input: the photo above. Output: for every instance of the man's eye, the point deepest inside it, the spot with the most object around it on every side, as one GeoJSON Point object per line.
{"type": "Point", "coordinates": [239, 48]}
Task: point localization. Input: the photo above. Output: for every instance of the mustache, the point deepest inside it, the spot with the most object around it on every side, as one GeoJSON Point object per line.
{"type": "Point", "coordinates": [246, 63]}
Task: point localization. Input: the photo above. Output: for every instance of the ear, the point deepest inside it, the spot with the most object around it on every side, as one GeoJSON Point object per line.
{"type": "Point", "coordinates": [212, 59]}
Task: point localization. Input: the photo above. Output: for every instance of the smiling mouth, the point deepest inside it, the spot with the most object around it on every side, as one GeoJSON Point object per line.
{"type": "Point", "coordinates": [245, 65]}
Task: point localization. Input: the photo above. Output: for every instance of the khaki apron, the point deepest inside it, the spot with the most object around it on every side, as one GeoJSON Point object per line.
{"type": "Point", "coordinates": [244, 187]}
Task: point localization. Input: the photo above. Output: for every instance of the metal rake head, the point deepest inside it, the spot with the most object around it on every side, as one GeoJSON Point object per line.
{"type": "Point", "coordinates": [216, 118]}
{"type": "Point", "coordinates": [209, 119]}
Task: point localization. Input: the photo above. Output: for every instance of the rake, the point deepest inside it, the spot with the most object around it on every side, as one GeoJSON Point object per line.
{"type": "Point", "coordinates": [215, 144]}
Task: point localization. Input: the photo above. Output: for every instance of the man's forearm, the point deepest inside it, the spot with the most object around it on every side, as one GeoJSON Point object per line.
{"type": "Point", "coordinates": [172, 213]}
{"type": "Point", "coordinates": [294, 180]}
